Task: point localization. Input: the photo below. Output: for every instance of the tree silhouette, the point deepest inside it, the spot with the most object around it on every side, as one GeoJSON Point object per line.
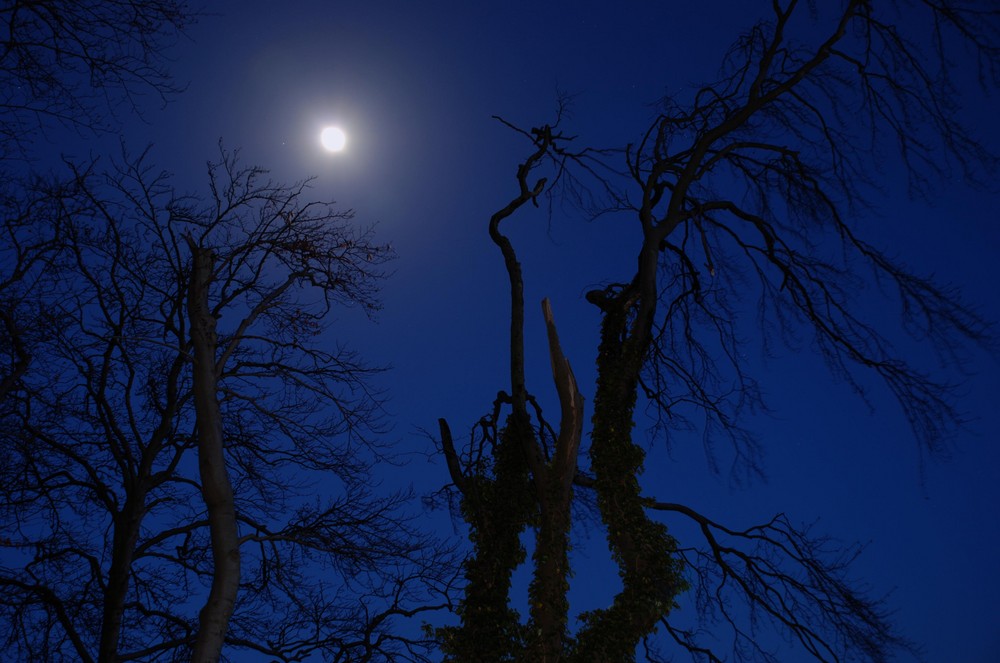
{"type": "Point", "coordinates": [752, 190]}
{"type": "Point", "coordinates": [113, 533]}
{"type": "Point", "coordinates": [71, 64]}
{"type": "Point", "coordinates": [75, 63]}
{"type": "Point", "coordinates": [146, 333]}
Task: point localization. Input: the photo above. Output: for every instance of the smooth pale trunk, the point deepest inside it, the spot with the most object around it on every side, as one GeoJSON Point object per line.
{"type": "Point", "coordinates": [215, 486]}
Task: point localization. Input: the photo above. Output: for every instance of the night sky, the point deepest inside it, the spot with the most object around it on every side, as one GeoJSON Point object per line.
{"type": "Point", "coordinates": [414, 85]}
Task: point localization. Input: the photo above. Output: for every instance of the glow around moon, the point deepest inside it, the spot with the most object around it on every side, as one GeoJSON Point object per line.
{"type": "Point", "coordinates": [333, 139]}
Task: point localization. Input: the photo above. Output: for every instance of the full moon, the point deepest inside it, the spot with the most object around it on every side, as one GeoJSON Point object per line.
{"type": "Point", "coordinates": [333, 139]}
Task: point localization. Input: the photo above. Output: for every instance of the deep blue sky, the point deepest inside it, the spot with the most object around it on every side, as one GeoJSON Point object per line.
{"type": "Point", "coordinates": [415, 84]}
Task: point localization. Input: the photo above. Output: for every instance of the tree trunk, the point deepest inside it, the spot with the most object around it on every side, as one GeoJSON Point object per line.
{"type": "Point", "coordinates": [126, 533]}
{"type": "Point", "coordinates": [643, 549]}
{"type": "Point", "coordinates": [215, 486]}
{"type": "Point", "coordinates": [550, 584]}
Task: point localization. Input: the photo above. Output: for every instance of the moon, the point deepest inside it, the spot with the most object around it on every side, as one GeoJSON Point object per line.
{"type": "Point", "coordinates": [333, 139]}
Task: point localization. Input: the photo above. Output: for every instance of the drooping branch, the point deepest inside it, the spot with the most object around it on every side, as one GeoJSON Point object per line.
{"type": "Point", "coordinates": [788, 576]}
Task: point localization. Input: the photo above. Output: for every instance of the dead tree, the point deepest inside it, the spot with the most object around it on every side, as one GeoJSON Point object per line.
{"type": "Point", "coordinates": [749, 189]}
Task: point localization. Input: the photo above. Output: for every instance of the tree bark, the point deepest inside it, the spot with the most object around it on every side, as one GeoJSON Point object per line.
{"type": "Point", "coordinates": [126, 533]}
{"type": "Point", "coordinates": [215, 486]}
{"type": "Point", "coordinates": [550, 584]}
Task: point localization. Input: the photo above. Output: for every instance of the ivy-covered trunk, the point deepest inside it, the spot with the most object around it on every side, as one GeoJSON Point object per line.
{"type": "Point", "coordinates": [643, 549]}
{"type": "Point", "coordinates": [497, 510]}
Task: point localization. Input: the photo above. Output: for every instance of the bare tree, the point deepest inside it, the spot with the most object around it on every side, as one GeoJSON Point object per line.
{"type": "Point", "coordinates": [72, 64]}
{"type": "Point", "coordinates": [192, 332]}
{"type": "Point", "coordinates": [752, 188]}
{"type": "Point", "coordinates": [29, 242]}
{"type": "Point", "coordinates": [140, 330]}
{"type": "Point", "coordinates": [75, 62]}
{"type": "Point", "coordinates": [215, 485]}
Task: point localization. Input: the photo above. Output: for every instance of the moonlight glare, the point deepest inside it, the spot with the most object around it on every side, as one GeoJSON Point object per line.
{"type": "Point", "coordinates": [333, 139]}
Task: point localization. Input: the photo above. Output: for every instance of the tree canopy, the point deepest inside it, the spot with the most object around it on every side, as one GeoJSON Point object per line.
{"type": "Point", "coordinates": [78, 64]}
{"type": "Point", "coordinates": [105, 433]}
